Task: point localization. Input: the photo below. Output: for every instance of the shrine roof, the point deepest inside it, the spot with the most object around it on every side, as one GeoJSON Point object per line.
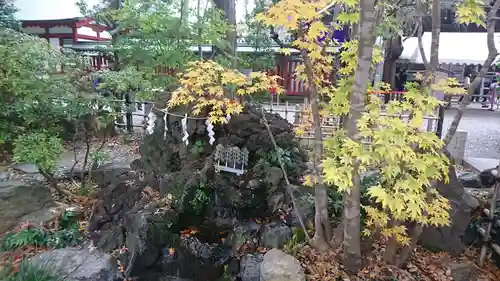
{"type": "Point", "coordinates": [62, 21]}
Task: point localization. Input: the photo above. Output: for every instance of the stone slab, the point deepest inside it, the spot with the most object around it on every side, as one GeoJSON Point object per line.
{"type": "Point", "coordinates": [480, 164]}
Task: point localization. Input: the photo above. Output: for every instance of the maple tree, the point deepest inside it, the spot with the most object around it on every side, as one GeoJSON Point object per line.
{"type": "Point", "coordinates": [204, 86]}
{"type": "Point", "coordinates": [409, 159]}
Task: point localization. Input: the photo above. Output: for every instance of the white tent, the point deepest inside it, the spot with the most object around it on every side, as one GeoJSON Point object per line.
{"type": "Point", "coordinates": [454, 48]}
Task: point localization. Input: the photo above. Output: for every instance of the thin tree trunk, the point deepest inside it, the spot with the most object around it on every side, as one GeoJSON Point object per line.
{"type": "Point", "coordinates": [198, 17]}
{"type": "Point", "coordinates": [352, 223]}
{"type": "Point", "coordinates": [115, 5]}
{"type": "Point", "coordinates": [323, 230]}
{"type": "Point", "coordinates": [229, 9]}
{"type": "Point", "coordinates": [492, 54]}
{"type": "Point", "coordinates": [393, 49]}
{"type": "Point", "coordinates": [430, 70]}
{"type": "Point", "coordinates": [185, 12]}
{"type": "Point", "coordinates": [436, 31]}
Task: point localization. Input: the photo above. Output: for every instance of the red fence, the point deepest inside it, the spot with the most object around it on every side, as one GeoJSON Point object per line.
{"type": "Point", "coordinates": [292, 85]}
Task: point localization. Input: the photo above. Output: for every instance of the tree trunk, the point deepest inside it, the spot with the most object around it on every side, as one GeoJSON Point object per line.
{"type": "Point", "coordinates": [352, 223]}
{"type": "Point", "coordinates": [229, 9]}
{"type": "Point", "coordinates": [115, 5]}
{"type": "Point", "coordinates": [436, 31]}
{"type": "Point", "coordinates": [321, 220]}
{"type": "Point", "coordinates": [492, 54]}
{"type": "Point", "coordinates": [393, 50]}
{"type": "Point", "coordinates": [185, 12]}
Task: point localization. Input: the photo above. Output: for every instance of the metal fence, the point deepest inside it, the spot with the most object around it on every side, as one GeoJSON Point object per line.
{"type": "Point", "coordinates": [133, 116]}
{"type": "Point", "coordinates": [294, 113]}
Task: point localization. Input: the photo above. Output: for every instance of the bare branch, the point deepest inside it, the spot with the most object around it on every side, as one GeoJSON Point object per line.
{"type": "Point", "coordinates": [492, 54]}
{"type": "Point", "coordinates": [414, 32]}
{"type": "Point", "coordinates": [420, 32]}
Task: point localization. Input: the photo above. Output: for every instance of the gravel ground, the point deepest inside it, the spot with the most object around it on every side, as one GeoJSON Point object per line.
{"type": "Point", "coordinates": [483, 131]}
{"type": "Point", "coordinates": [482, 126]}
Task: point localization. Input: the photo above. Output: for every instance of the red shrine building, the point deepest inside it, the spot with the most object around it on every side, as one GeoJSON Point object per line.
{"type": "Point", "coordinates": [63, 25]}
{"type": "Point", "coordinates": [67, 32]}
{"type": "Point", "coordinates": [59, 21]}
{"type": "Point", "coordinates": [71, 32]}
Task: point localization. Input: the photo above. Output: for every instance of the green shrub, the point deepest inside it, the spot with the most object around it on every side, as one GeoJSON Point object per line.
{"type": "Point", "coordinates": [67, 235]}
{"type": "Point", "coordinates": [40, 149]}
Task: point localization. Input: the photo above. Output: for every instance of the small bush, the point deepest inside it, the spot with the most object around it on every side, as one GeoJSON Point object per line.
{"type": "Point", "coordinates": [24, 237]}
{"type": "Point", "coordinates": [40, 149]}
{"type": "Point", "coordinates": [67, 235]}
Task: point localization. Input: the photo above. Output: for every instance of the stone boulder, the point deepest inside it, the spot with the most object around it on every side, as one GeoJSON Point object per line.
{"type": "Point", "coordinates": [488, 177]}
{"type": "Point", "coordinates": [20, 200]}
{"type": "Point", "coordinates": [78, 265]}
{"type": "Point", "coordinates": [4, 176]}
{"type": "Point", "coordinates": [469, 180]}
{"type": "Point", "coordinates": [278, 266]}
{"type": "Point", "coordinates": [485, 179]}
{"type": "Point", "coordinates": [250, 267]}
{"type": "Point", "coordinates": [194, 260]}
{"type": "Point", "coordinates": [449, 238]}
{"type": "Point", "coordinates": [464, 272]}
{"type": "Point", "coordinates": [305, 209]}
{"type": "Point", "coordinates": [275, 235]}
{"type": "Point", "coordinates": [243, 232]}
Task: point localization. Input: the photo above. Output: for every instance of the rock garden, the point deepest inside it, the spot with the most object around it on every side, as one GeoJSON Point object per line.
{"type": "Point", "coordinates": [167, 211]}
{"type": "Point", "coordinates": [215, 188]}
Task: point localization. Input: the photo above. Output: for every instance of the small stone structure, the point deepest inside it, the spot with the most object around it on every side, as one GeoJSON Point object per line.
{"type": "Point", "coordinates": [457, 146]}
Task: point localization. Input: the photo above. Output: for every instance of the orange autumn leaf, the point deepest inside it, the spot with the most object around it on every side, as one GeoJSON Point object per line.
{"type": "Point", "coordinates": [171, 252]}
{"type": "Point", "coordinates": [261, 250]}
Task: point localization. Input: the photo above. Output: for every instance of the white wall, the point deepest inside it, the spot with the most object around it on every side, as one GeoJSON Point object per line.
{"type": "Point", "coordinates": [84, 30]}
{"type": "Point", "coordinates": [34, 30]}
{"type": "Point", "coordinates": [60, 29]}
{"type": "Point", "coordinates": [106, 35]}
{"type": "Point", "coordinates": [54, 42]}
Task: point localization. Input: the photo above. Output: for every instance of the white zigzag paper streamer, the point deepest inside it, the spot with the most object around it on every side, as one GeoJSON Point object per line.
{"type": "Point", "coordinates": [151, 123]}
{"type": "Point", "coordinates": [184, 129]}
{"type": "Point", "coordinates": [210, 131]}
{"type": "Point", "coordinates": [228, 117]}
{"type": "Point", "coordinates": [165, 124]}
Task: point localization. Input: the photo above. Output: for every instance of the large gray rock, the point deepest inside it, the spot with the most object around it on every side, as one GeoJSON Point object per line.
{"type": "Point", "coordinates": [4, 176]}
{"type": "Point", "coordinates": [243, 232]}
{"type": "Point", "coordinates": [449, 238]}
{"type": "Point", "coordinates": [78, 265]}
{"type": "Point", "coordinates": [26, 168]}
{"type": "Point", "coordinates": [20, 200]}
{"type": "Point", "coordinates": [470, 180]}
{"type": "Point", "coordinates": [275, 235]}
{"type": "Point", "coordinates": [306, 210]}
{"type": "Point", "coordinates": [250, 267]}
{"type": "Point", "coordinates": [278, 266]}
